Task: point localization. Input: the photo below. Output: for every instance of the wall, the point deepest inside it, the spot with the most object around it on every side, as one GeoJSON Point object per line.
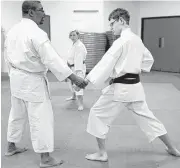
{"type": "Point", "coordinates": [3, 67]}
{"type": "Point", "coordinates": [10, 15]}
{"type": "Point", "coordinates": [157, 8]}
{"type": "Point", "coordinates": [132, 7]}
{"type": "Point", "coordinates": [63, 20]}
{"type": "Point", "coordinates": [140, 9]}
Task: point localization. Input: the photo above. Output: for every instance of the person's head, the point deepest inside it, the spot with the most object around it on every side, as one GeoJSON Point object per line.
{"type": "Point", "coordinates": [74, 35]}
{"type": "Point", "coordinates": [119, 19]}
{"type": "Point", "coordinates": [33, 10]}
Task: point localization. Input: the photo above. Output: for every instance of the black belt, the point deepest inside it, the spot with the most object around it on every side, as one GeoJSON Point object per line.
{"type": "Point", "coordinates": [72, 65]}
{"type": "Point", "coordinates": [127, 79]}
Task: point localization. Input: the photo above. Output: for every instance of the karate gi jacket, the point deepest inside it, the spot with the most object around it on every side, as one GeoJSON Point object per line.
{"type": "Point", "coordinates": [126, 55]}
{"type": "Point", "coordinates": [29, 54]}
{"type": "Point", "coordinates": [77, 57]}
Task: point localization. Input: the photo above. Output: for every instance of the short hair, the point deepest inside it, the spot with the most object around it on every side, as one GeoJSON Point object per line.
{"type": "Point", "coordinates": [76, 31]}
{"type": "Point", "coordinates": [29, 5]}
{"type": "Point", "coordinates": [120, 12]}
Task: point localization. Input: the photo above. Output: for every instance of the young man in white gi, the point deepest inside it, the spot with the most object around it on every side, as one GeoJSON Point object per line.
{"type": "Point", "coordinates": [29, 54]}
{"type": "Point", "coordinates": [76, 61]}
{"type": "Point", "coordinates": [121, 65]}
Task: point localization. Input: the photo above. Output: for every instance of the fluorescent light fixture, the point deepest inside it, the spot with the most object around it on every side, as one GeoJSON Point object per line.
{"type": "Point", "coordinates": [86, 11]}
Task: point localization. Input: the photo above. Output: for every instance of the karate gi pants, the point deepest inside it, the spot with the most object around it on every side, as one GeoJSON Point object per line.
{"type": "Point", "coordinates": [41, 123]}
{"type": "Point", "coordinates": [105, 111]}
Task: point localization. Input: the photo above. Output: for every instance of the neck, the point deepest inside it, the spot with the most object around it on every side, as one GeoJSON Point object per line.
{"type": "Point", "coordinates": [125, 27]}
{"type": "Point", "coordinates": [27, 17]}
{"type": "Point", "coordinates": [75, 41]}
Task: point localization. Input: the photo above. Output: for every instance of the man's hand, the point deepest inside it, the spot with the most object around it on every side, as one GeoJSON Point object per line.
{"type": "Point", "coordinates": [68, 64]}
{"type": "Point", "coordinates": [76, 88]}
{"type": "Point", "coordinates": [111, 81]}
{"type": "Point", "coordinates": [78, 81]}
{"type": "Point", "coordinates": [86, 80]}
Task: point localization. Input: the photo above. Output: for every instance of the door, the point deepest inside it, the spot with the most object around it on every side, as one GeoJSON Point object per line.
{"type": "Point", "coordinates": [46, 26]}
{"type": "Point", "coordinates": [162, 37]}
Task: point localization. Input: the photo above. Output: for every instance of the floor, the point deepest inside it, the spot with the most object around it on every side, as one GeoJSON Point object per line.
{"type": "Point", "coordinates": [127, 146]}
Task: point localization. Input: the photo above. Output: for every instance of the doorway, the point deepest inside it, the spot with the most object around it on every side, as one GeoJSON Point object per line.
{"type": "Point", "coordinates": [161, 35]}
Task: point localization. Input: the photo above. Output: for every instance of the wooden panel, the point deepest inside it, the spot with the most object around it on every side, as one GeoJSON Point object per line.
{"type": "Point", "coordinates": [96, 45]}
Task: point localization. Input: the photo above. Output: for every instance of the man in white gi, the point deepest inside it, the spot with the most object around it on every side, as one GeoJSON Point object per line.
{"type": "Point", "coordinates": [121, 65]}
{"type": "Point", "coordinates": [29, 54]}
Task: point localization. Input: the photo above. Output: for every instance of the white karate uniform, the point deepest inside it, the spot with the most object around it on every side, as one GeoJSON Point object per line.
{"type": "Point", "coordinates": [77, 56]}
{"type": "Point", "coordinates": [127, 55]}
{"type": "Point", "coordinates": [29, 54]}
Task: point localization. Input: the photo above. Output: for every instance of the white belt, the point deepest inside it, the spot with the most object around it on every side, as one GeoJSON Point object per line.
{"type": "Point", "coordinates": [40, 74]}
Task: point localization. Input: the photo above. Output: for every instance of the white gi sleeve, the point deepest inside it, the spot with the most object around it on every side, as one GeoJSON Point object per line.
{"type": "Point", "coordinates": [53, 61]}
{"type": "Point", "coordinates": [104, 68]}
{"type": "Point", "coordinates": [147, 61]}
{"type": "Point", "coordinates": [38, 38]}
{"type": "Point", "coordinates": [49, 56]}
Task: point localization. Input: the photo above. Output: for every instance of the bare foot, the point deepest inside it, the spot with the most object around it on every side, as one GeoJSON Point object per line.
{"type": "Point", "coordinates": [173, 152]}
{"type": "Point", "coordinates": [71, 98]}
{"type": "Point", "coordinates": [15, 150]}
{"type": "Point", "coordinates": [97, 157]}
{"type": "Point", "coordinates": [50, 162]}
{"type": "Point", "coordinates": [80, 108]}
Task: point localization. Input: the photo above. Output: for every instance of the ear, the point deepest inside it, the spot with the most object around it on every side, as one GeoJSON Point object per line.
{"type": "Point", "coordinates": [31, 12]}
{"type": "Point", "coordinates": [122, 21]}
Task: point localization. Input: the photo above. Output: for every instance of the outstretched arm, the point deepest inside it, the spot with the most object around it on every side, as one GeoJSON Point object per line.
{"type": "Point", "coordinates": [104, 68]}
{"type": "Point", "coordinates": [57, 65]}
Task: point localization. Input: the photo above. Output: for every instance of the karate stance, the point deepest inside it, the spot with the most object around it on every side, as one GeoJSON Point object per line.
{"type": "Point", "coordinates": [29, 54]}
{"type": "Point", "coordinates": [76, 61]}
{"type": "Point", "coordinates": [121, 66]}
